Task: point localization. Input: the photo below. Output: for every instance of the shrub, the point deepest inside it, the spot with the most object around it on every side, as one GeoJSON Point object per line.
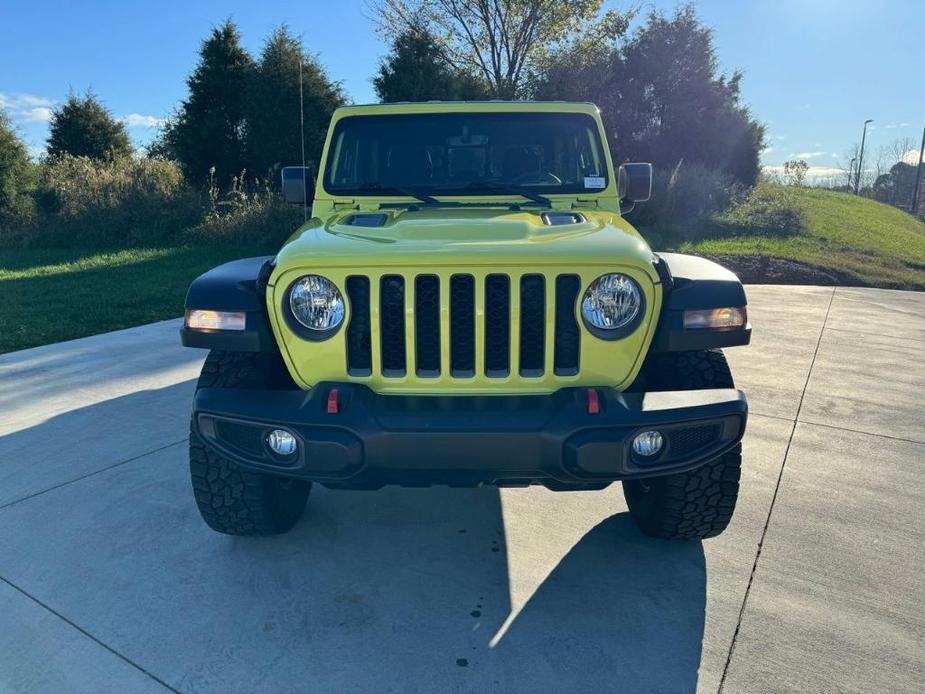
{"type": "Point", "coordinates": [17, 178]}
{"type": "Point", "coordinates": [683, 196]}
{"type": "Point", "coordinates": [123, 201]}
{"type": "Point", "coordinates": [768, 209]}
{"type": "Point", "coordinates": [250, 211]}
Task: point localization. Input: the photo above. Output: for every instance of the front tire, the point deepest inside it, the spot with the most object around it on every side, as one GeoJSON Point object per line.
{"type": "Point", "coordinates": [232, 500]}
{"type": "Point", "coordinates": [699, 503]}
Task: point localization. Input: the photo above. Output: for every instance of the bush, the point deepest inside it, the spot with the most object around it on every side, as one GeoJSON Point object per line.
{"type": "Point", "coordinates": [255, 215]}
{"type": "Point", "coordinates": [17, 178]}
{"type": "Point", "coordinates": [768, 209]}
{"type": "Point", "coordinates": [683, 196]}
{"type": "Point", "coordinates": [124, 201]}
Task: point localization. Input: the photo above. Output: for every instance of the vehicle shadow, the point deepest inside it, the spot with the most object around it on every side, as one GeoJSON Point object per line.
{"type": "Point", "coordinates": [621, 612]}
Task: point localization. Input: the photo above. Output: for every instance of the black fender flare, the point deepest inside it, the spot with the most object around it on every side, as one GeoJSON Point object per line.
{"type": "Point", "coordinates": [237, 286]}
{"type": "Point", "coordinates": [693, 283]}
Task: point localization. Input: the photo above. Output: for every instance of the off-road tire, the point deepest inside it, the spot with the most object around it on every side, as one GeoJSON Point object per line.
{"type": "Point", "coordinates": [687, 505]}
{"type": "Point", "coordinates": [232, 500]}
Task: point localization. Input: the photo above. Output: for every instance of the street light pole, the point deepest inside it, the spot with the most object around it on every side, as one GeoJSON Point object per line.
{"type": "Point", "coordinates": [918, 177]}
{"type": "Point", "coordinates": [857, 179]}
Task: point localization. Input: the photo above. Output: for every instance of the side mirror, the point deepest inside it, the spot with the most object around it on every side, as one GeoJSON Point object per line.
{"type": "Point", "coordinates": [296, 181]}
{"type": "Point", "coordinates": [634, 184]}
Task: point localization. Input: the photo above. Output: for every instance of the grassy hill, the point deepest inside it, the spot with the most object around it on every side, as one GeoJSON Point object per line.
{"type": "Point", "coordinates": [805, 235]}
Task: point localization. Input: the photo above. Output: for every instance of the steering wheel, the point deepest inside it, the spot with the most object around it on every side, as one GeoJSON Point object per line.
{"type": "Point", "coordinates": [538, 177]}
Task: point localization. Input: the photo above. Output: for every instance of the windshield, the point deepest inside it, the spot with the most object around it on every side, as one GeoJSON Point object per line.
{"type": "Point", "coordinates": [466, 154]}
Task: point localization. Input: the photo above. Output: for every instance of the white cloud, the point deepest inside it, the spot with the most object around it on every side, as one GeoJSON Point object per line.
{"type": "Point", "coordinates": [39, 114]}
{"type": "Point", "coordinates": [813, 172]}
{"type": "Point", "coordinates": [767, 150]}
{"type": "Point", "coordinates": [137, 120]}
{"type": "Point", "coordinates": [911, 157]}
{"type": "Point", "coordinates": [780, 137]}
{"type": "Point", "coordinates": [893, 126]}
{"type": "Point", "coordinates": [27, 107]}
{"type": "Point", "coordinates": [806, 155]}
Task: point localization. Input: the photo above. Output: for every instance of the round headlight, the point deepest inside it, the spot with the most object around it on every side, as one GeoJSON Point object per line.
{"type": "Point", "coordinates": [316, 303]}
{"type": "Point", "coordinates": [611, 302]}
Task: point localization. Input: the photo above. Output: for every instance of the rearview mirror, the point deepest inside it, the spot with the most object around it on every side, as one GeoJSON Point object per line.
{"type": "Point", "coordinates": [634, 184]}
{"type": "Point", "coordinates": [296, 181]}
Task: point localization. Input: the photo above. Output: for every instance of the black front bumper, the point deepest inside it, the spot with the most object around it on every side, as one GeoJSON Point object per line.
{"type": "Point", "coordinates": [556, 439]}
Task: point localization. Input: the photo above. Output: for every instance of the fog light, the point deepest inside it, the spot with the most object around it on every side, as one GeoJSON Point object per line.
{"type": "Point", "coordinates": [281, 442]}
{"type": "Point", "coordinates": [648, 443]}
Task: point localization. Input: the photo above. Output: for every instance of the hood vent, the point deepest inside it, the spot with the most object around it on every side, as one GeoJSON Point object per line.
{"type": "Point", "coordinates": [365, 220]}
{"type": "Point", "coordinates": [554, 219]}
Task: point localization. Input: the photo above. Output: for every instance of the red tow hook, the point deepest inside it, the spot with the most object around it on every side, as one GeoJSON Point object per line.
{"type": "Point", "coordinates": [333, 405]}
{"type": "Point", "coordinates": [594, 403]}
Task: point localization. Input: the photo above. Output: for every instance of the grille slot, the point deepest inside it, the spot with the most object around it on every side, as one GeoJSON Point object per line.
{"type": "Point", "coordinates": [532, 325]}
{"type": "Point", "coordinates": [427, 326]}
{"type": "Point", "coordinates": [497, 326]}
{"type": "Point", "coordinates": [359, 335]}
{"type": "Point", "coordinates": [392, 324]}
{"type": "Point", "coordinates": [691, 439]}
{"type": "Point", "coordinates": [462, 326]}
{"type": "Point", "coordinates": [567, 336]}
{"type": "Point", "coordinates": [241, 436]}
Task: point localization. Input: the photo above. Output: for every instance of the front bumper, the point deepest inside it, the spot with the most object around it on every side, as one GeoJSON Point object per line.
{"type": "Point", "coordinates": [556, 440]}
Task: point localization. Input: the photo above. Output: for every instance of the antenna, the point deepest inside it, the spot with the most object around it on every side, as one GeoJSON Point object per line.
{"type": "Point", "coordinates": [302, 136]}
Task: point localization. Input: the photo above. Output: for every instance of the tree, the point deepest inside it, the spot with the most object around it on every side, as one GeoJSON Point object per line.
{"type": "Point", "coordinates": [795, 172]}
{"type": "Point", "coordinates": [496, 39]}
{"type": "Point", "coordinates": [17, 176]}
{"type": "Point", "coordinates": [83, 127]}
{"type": "Point", "coordinates": [209, 127]}
{"type": "Point", "coordinates": [896, 186]}
{"type": "Point", "coordinates": [415, 70]}
{"type": "Point", "coordinates": [273, 123]}
{"type": "Point", "coordinates": [661, 94]}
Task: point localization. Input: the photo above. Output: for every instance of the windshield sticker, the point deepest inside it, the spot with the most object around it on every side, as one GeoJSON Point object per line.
{"type": "Point", "coordinates": [594, 182]}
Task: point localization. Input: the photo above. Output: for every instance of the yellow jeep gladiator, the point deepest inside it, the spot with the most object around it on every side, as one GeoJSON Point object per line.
{"type": "Point", "coordinates": [467, 305]}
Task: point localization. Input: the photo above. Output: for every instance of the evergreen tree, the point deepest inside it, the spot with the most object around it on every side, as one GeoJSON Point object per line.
{"type": "Point", "coordinates": [273, 119]}
{"type": "Point", "coordinates": [415, 70]}
{"type": "Point", "coordinates": [208, 130]}
{"type": "Point", "coordinates": [83, 127]}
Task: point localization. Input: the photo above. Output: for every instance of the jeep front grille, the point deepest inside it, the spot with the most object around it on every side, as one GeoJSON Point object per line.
{"type": "Point", "coordinates": [463, 325]}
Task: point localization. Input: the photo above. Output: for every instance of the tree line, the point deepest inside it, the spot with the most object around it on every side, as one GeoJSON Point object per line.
{"type": "Point", "coordinates": [662, 95]}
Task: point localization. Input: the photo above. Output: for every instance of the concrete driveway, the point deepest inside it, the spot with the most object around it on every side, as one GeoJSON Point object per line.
{"type": "Point", "coordinates": [109, 581]}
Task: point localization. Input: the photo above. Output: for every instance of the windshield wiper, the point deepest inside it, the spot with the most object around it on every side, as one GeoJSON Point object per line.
{"type": "Point", "coordinates": [507, 190]}
{"type": "Point", "coordinates": [397, 190]}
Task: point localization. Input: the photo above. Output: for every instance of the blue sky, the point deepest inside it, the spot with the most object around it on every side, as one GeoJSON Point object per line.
{"type": "Point", "coordinates": [814, 69]}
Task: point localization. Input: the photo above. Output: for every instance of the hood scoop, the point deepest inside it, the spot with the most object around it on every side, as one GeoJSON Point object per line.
{"type": "Point", "coordinates": [365, 220]}
{"type": "Point", "coordinates": [555, 219]}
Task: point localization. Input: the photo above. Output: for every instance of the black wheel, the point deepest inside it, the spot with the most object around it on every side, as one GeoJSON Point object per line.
{"type": "Point", "coordinates": [231, 500]}
{"type": "Point", "coordinates": [696, 504]}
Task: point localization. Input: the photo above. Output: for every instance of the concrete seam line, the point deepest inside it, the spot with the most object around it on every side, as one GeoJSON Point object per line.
{"type": "Point", "coordinates": [860, 431]}
{"type": "Point", "coordinates": [767, 522]}
{"type": "Point", "coordinates": [89, 474]}
{"type": "Point", "coordinates": [860, 332]}
{"type": "Point", "coordinates": [88, 634]}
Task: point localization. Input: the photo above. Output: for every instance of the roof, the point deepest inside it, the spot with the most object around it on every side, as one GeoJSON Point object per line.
{"type": "Point", "coordinates": [498, 106]}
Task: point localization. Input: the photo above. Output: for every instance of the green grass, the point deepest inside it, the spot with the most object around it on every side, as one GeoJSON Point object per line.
{"type": "Point", "coordinates": [50, 295]}
{"type": "Point", "coordinates": [863, 241]}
